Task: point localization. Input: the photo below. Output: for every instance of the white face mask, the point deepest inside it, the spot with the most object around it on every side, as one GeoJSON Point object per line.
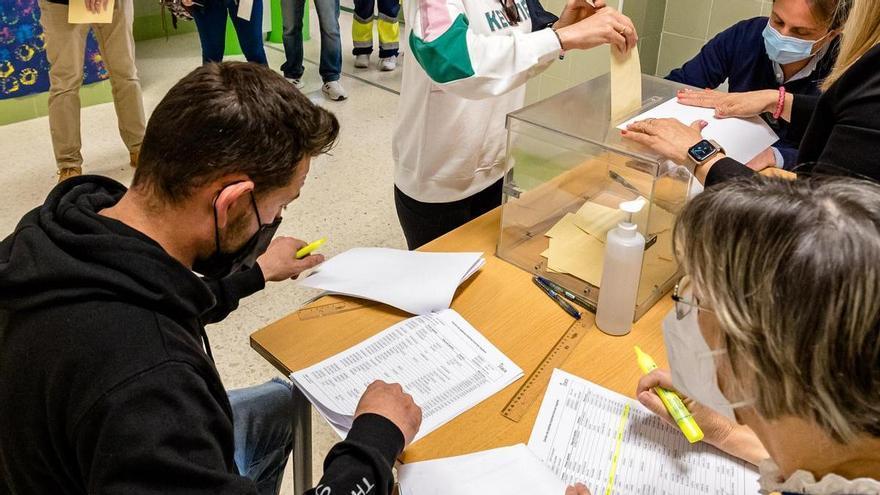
{"type": "Point", "coordinates": [692, 363]}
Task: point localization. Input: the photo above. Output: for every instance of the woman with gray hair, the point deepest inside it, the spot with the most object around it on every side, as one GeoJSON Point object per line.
{"type": "Point", "coordinates": [775, 336]}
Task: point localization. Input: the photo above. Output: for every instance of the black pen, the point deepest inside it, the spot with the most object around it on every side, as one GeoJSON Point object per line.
{"type": "Point", "coordinates": [556, 297]}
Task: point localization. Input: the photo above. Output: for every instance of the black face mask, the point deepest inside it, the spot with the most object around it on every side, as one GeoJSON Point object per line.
{"type": "Point", "coordinates": [221, 264]}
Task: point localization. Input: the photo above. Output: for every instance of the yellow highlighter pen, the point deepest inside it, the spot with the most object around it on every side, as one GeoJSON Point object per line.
{"type": "Point", "coordinates": [679, 412]}
{"type": "Point", "coordinates": [307, 250]}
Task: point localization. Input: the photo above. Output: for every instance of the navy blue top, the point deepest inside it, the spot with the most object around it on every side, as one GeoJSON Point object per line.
{"type": "Point", "coordinates": [737, 55]}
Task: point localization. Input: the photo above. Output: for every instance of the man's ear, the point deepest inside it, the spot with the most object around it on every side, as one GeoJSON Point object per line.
{"type": "Point", "coordinates": [229, 196]}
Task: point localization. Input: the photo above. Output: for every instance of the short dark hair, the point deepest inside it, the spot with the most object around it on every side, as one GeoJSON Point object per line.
{"type": "Point", "coordinates": [226, 118]}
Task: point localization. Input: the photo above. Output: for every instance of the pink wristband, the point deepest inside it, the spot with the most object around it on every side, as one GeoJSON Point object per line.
{"type": "Point", "coordinates": [780, 106]}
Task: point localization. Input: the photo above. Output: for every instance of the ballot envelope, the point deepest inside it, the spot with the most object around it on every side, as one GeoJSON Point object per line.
{"type": "Point", "coordinates": [571, 168]}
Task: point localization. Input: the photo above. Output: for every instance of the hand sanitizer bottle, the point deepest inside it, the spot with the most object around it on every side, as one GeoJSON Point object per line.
{"type": "Point", "coordinates": [624, 249]}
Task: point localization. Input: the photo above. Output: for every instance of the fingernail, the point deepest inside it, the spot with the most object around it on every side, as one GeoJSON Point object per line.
{"type": "Point", "coordinates": [623, 132]}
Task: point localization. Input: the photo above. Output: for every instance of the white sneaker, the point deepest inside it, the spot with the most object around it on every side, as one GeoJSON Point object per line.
{"type": "Point", "coordinates": [388, 64]}
{"type": "Point", "coordinates": [334, 91]}
{"type": "Point", "coordinates": [297, 83]}
{"type": "Point", "coordinates": [361, 61]}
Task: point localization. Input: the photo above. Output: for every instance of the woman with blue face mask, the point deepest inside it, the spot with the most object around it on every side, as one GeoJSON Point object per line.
{"type": "Point", "coordinates": [775, 334]}
{"type": "Point", "coordinates": [794, 48]}
{"type": "Point", "coordinates": [839, 130]}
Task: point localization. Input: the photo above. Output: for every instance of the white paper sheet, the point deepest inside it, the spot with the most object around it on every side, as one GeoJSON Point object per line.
{"type": "Point", "coordinates": [510, 470]}
{"type": "Point", "coordinates": [586, 433]}
{"type": "Point", "coordinates": [742, 139]}
{"type": "Point", "coordinates": [440, 359]}
{"type": "Point", "coordinates": [414, 281]}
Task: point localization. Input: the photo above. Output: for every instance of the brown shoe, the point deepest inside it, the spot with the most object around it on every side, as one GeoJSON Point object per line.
{"type": "Point", "coordinates": [134, 158]}
{"type": "Point", "coordinates": [68, 172]}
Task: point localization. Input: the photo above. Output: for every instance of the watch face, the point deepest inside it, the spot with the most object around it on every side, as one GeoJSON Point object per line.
{"type": "Point", "coordinates": [702, 150]}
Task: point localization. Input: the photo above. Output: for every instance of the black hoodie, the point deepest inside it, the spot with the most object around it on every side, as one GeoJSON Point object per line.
{"type": "Point", "coordinates": [106, 380]}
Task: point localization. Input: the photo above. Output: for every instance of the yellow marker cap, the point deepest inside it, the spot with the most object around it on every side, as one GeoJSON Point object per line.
{"type": "Point", "coordinates": [307, 250]}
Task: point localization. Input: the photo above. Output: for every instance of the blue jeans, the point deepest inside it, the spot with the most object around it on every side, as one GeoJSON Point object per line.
{"type": "Point", "coordinates": [331, 43]}
{"type": "Point", "coordinates": [211, 23]}
{"type": "Point", "coordinates": [263, 439]}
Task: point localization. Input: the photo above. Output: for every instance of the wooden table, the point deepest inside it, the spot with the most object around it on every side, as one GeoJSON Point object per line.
{"type": "Point", "coordinates": [501, 302]}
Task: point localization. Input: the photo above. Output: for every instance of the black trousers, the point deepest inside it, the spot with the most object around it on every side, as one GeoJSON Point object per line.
{"type": "Point", "coordinates": [424, 222]}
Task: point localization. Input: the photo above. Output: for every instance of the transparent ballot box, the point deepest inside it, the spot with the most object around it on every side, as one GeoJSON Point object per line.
{"type": "Point", "coordinates": [570, 171]}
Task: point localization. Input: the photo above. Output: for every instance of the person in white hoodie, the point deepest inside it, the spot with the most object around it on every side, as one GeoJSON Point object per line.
{"type": "Point", "coordinates": [472, 59]}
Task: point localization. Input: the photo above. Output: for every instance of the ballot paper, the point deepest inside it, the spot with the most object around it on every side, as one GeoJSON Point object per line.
{"type": "Point", "coordinates": [414, 281]}
{"type": "Point", "coordinates": [585, 433]}
{"type": "Point", "coordinates": [78, 14]}
{"type": "Point", "coordinates": [626, 83]}
{"type": "Point", "coordinates": [245, 7]}
{"type": "Point", "coordinates": [577, 242]}
{"type": "Point", "coordinates": [742, 139]}
{"type": "Point", "coordinates": [440, 359]}
{"type": "Point", "coordinates": [510, 470]}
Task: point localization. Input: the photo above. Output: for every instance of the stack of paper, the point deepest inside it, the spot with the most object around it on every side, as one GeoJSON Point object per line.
{"type": "Point", "coordinates": [577, 241]}
{"type": "Point", "coordinates": [414, 281]}
{"type": "Point", "coordinates": [742, 139]}
{"type": "Point", "coordinates": [509, 470]}
{"type": "Point", "coordinates": [585, 433]}
{"type": "Point", "coordinates": [440, 359]}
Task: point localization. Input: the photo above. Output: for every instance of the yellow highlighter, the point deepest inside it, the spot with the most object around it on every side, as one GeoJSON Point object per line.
{"type": "Point", "coordinates": [679, 412]}
{"type": "Point", "coordinates": [307, 250]}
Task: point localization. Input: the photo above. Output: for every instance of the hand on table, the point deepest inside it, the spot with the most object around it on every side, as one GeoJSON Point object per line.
{"type": "Point", "coordinates": [578, 489]}
{"type": "Point", "coordinates": [748, 104]}
{"type": "Point", "coordinates": [606, 26]}
{"type": "Point", "coordinates": [765, 159]}
{"type": "Point", "coordinates": [97, 6]}
{"type": "Point", "coordinates": [392, 403]}
{"type": "Point", "coordinates": [279, 261]}
{"type": "Point", "coordinates": [716, 428]}
{"type": "Point", "coordinates": [576, 11]}
{"type": "Point", "coordinates": [669, 137]}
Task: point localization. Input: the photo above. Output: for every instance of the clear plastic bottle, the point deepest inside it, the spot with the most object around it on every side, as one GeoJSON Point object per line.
{"type": "Point", "coordinates": [624, 250]}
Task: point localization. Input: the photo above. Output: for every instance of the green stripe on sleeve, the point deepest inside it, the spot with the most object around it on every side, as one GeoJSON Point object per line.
{"type": "Point", "coordinates": [445, 59]}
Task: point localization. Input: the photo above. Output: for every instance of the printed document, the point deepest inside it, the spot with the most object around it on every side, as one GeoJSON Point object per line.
{"type": "Point", "coordinates": [611, 443]}
{"type": "Point", "coordinates": [440, 359]}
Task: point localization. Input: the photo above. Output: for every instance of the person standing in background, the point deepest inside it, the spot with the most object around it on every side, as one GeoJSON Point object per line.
{"type": "Point", "coordinates": [472, 59]}
{"type": "Point", "coordinates": [210, 18]}
{"type": "Point", "coordinates": [331, 45]}
{"type": "Point", "coordinates": [389, 33]}
{"type": "Point", "coordinates": [65, 49]}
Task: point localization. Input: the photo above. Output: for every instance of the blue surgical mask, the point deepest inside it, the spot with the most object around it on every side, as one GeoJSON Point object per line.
{"type": "Point", "coordinates": [785, 49]}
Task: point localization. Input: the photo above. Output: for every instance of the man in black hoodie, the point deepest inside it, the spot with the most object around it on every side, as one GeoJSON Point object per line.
{"type": "Point", "coordinates": [107, 384]}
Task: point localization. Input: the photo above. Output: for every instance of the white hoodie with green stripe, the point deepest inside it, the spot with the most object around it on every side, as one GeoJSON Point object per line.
{"type": "Point", "coordinates": [466, 70]}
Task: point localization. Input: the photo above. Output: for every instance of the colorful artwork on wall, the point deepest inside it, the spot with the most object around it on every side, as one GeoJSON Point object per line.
{"type": "Point", "coordinates": [24, 69]}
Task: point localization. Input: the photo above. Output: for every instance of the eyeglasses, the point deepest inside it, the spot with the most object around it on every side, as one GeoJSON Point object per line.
{"type": "Point", "coordinates": [685, 300]}
{"type": "Point", "coordinates": [511, 12]}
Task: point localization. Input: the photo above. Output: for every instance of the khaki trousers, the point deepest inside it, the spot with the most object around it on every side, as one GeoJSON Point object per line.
{"type": "Point", "coordinates": [65, 49]}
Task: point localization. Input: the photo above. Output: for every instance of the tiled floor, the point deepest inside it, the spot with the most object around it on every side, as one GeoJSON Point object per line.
{"type": "Point", "coordinates": [347, 198]}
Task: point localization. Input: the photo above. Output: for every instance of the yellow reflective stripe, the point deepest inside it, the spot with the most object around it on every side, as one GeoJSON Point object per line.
{"type": "Point", "coordinates": [362, 31]}
{"type": "Point", "coordinates": [389, 32]}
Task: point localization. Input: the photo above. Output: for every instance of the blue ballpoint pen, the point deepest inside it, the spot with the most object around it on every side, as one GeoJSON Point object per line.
{"type": "Point", "coordinates": [556, 297]}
